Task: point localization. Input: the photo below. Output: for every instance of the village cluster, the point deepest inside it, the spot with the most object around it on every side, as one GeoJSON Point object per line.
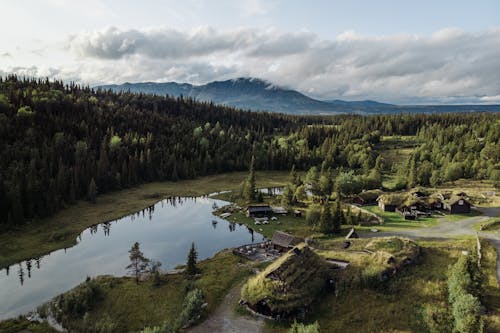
{"type": "Point", "coordinates": [416, 203]}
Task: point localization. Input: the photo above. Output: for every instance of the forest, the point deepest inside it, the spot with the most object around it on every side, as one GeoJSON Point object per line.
{"type": "Point", "coordinates": [60, 143]}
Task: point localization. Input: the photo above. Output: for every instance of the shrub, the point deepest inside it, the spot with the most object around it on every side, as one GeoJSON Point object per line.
{"type": "Point", "coordinates": [467, 314]}
{"type": "Point", "coordinates": [313, 214]}
{"type": "Point", "coordinates": [437, 318]}
{"type": "Point", "coordinates": [301, 328]}
{"type": "Point", "coordinates": [77, 302]}
{"type": "Point", "coordinates": [191, 308]}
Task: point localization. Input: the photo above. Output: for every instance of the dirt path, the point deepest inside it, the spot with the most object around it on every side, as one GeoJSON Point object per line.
{"type": "Point", "coordinates": [446, 229]}
{"type": "Point", "coordinates": [224, 320]}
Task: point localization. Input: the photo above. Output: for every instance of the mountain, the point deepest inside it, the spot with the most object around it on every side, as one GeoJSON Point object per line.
{"type": "Point", "coordinates": [260, 95]}
{"type": "Point", "coordinates": [245, 93]}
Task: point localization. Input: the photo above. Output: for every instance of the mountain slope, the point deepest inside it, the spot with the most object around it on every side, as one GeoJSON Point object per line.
{"type": "Point", "coordinates": [259, 95]}
{"type": "Point", "coordinates": [245, 93]}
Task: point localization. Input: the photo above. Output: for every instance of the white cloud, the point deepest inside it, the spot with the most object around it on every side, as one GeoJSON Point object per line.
{"type": "Point", "coordinates": [449, 65]}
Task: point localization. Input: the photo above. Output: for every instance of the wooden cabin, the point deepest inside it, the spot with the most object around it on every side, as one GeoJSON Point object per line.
{"type": "Point", "coordinates": [458, 205]}
{"type": "Point", "coordinates": [389, 202]}
{"type": "Point", "coordinates": [367, 198]}
{"type": "Point", "coordinates": [259, 210]}
{"type": "Point", "coordinates": [282, 241]}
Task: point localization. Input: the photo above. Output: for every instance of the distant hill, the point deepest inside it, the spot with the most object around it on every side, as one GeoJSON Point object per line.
{"type": "Point", "coordinates": [260, 95]}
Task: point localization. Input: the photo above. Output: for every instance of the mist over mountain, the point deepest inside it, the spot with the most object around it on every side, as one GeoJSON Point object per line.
{"type": "Point", "coordinates": [260, 95]}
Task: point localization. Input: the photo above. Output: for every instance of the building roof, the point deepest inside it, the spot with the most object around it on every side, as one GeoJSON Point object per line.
{"type": "Point", "coordinates": [454, 199]}
{"type": "Point", "coordinates": [283, 239]}
{"type": "Point", "coordinates": [259, 208]}
{"type": "Point", "coordinates": [279, 210]}
{"type": "Point", "coordinates": [392, 199]}
{"type": "Point", "coordinates": [371, 195]}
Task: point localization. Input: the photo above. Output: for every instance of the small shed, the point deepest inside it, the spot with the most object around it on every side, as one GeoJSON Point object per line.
{"type": "Point", "coordinates": [280, 210]}
{"type": "Point", "coordinates": [458, 205]}
{"type": "Point", "coordinates": [282, 241]}
{"type": "Point", "coordinates": [259, 210]}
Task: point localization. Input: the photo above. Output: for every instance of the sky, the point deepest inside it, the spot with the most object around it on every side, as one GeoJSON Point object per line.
{"type": "Point", "coordinates": [398, 51]}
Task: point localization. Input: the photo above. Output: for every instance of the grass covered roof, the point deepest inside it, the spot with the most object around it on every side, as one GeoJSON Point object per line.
{"type": "Point", "coordinates": [290, 283]}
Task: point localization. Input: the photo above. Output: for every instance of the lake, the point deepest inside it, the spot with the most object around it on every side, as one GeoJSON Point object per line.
{"type": "Point", "coordinates": [165, 232]}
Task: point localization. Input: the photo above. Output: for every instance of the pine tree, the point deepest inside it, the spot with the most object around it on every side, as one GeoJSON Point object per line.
{"type": "Point", "coordinates": [249, 192]}
{"type": "Point", "coordinates": [294, 178]}
{"type": "Point", "coordinates": [349, 219]}
{"type": "Point", "coordinates": [72, 191]}
{"type": "Point", "coordinates": [16, 207]}
{"type": "Point", "coordinates": [325, 220]}
{"type": "Point", "coordinates": [92, 192]}
{"type": "Point", "coordinates": [191, 268]}
{"type": "Point", "coordinates": [338, 217]}
{"type": "Point", "coordinates": [138, 263]}
{"type": "Point", "coordinates": [412, 173]}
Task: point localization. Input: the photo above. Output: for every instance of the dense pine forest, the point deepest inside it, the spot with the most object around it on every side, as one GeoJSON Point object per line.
{"type": "Point", "coordinates": [62, 143]}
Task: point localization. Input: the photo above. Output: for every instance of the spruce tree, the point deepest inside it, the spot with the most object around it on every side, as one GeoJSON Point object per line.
{"type": "Point", "coordinates": [294, 178]}
{"type": "Point", "coordinates": [92, 192]}
{"type": "Point", "coordinates": [325, 220]}
{"type": "Point", "coordinates": [249, 192]}
{"type": "Point", "coordinates": [412, 173]}
{"type": "Point", "coordinates": [191, 268]}
{"type": "Point", "coordinates": [338, 217]}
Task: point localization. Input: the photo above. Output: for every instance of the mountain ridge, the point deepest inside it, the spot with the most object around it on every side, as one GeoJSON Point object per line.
{"type": "Point", "coordinates": [260, 95]}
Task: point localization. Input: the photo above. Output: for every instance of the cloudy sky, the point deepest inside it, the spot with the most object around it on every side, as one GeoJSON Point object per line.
{"type": "Point", "coordinates": [397, 51]}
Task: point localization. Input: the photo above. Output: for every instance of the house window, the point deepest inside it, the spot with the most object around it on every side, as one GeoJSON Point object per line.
{"type": "Point", "coordinates": [461, 202]}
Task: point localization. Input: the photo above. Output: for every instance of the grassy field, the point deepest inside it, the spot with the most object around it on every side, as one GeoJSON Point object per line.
{"type": "Point", "coordinates": [398, 307]}
{"type": "Point", "coordinates": [491, 225]}
{"type": "Point", "coordinates": [294, 225]}
{"type": "Point", "coordinates": [482, 193]}
{"type": "Point", "coordinates": [132, 307]}
{"type": "Point", "coordinates": [61, 230]}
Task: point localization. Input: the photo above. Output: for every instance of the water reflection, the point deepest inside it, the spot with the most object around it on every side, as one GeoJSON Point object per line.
{"type": "Point", "coordinates": [164, 230]}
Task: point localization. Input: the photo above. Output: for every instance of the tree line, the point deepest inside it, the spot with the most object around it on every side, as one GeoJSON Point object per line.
{"type": "Point", "coordinates": [62, 143]}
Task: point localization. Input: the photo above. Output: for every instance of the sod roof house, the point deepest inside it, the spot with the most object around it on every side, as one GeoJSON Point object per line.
{"type": "Point", "coordinates": [367, 197]}
{"type": "Point", "coordinates": [283, 242]}
{"type": "Point", "coordinates": [389, 202]}
{"type": "Point", "coordinates": [458, 205]}
{"type": "Point", "coordinates": [289, 285]}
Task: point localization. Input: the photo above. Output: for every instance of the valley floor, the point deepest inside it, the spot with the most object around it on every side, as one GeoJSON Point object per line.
{"type": "Point", "coordinates": [396, 309]}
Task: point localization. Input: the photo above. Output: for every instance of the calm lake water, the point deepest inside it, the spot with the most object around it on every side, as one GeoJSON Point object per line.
{"type": "Point", "coordinates": [165, 232]}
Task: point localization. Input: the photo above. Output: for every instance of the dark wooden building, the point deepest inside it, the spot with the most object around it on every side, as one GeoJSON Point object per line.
{"type": "Point", "coordinates": [367, 198]}
{"type": "Point", "coordinates": [282, 241]}
{"type": "Point", "coordinates": [259, 210]}
{"type": "Point", "coordinates": [389, 202]}
{"type": "Point", "coordinates": [458, 205]}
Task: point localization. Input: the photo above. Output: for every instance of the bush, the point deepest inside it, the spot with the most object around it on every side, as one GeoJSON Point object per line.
{"type": "Point", "coordinates": [103, 325]}
{"type": "Point", "coordinates": [467, 314]}
{"type": "Point", "coordinates": [301, 328]}
{"type": "Point", "coordinates": [77, 302]}
{"type": "Point", "coordinates": [464, 288]}
{"type": "Point", "coordinates": [191, 308]}
{"type": "Point", "coordinates": [313, 214]}
{"type": "Point", "coordinates": [437, 318]}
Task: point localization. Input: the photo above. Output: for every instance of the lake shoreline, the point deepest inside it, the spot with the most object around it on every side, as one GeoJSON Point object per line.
{"type": "Point", "coordinates": [60, 231]}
